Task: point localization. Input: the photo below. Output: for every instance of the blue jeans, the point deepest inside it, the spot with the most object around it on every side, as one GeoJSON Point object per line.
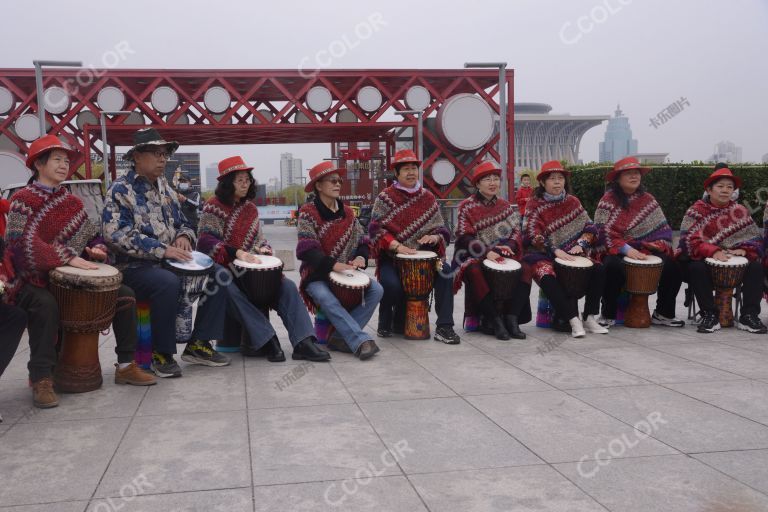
{"type": "Point", "coordinates": [349, 324]}
{"type": "Point", "coordinates": [289, 306]}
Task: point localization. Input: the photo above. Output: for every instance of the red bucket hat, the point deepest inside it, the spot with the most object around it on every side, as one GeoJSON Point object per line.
{"type": "Point", "coordinates": [232, 164]}
{"type": "Point", "coordinates": [47, 143]}
{"type": "Point", "coordinates": [485, 169]}
{"type": "Point", "coordinates": [626, 164]}
{"type": "Point", "coordinates": [319, 171]}
{"type": "Point", "coordinates": [723, 172]}
{"type": "Point", "coordinates": [405, 156]}
{"type": "Point", "coordinates": [550, 167]}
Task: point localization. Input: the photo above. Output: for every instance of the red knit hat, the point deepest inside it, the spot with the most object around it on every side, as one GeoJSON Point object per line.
{"type": "Point", "coordinates": [319, 171]}
{"type": "Point", "coordinates": [405, 156]}
{"type": "Point", "coordinates": [723, 172]}
{"type": "Point", "coordinates": [232, 164]}
{"type": "Point", "coordinates": [47, 143]}
{"type": "Point", "coordinates": [484, 169]}
{"type": "Point", "coordinates": [550, 167]}
{"type": "Point", "coordinates": [626, 164]}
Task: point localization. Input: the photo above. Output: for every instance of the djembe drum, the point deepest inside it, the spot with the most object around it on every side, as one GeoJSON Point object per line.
{"type": "Point", "coordinates": [193, 276]}
{"type": "Point", "coordinates": [260, 282]}
{"type": "Point", "coordinates": [417, 273]}
{"type": "Point", "coordinates": [726, 275]}
{"type": "Point", "coordinates": [642, 280]}
{"type": "Point", "coordinates": [574, 275]}
{"type": "Point", "coordinates": [349, 287]}
{"type": "Point", "coordinates": [502, 276]}
{"type": "Point", "coordinates": [87, 300]}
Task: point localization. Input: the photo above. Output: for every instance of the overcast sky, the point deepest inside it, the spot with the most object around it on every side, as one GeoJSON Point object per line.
{"type": "Point", "coordinates": [645, 54]}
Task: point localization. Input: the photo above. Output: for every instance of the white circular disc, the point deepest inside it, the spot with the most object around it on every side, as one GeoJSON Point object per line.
{"type": "Point", "coordinates": [369, 98]}
{"type": "Point", "coordinates": [267, 262]}
{"type": "Point", "coordinates": [27, 127]}
{"type": "Point", "coordinates": [56, 100]}
{"type": "Point", "coordinates": [350, 278]}
{"type": "Point", "coordinates": [733, 261]}
{"type": "Point", "coordinates": [200, 261]}
{"type": "Point", "coordinates": [579, 262]}
{"type": "Point", "coordinates": [506, 265]}
{"type": "Point", "coordinates": [465, 121]}
{"type": "Point", "coordinates": [346, 116]}
{"type": "Point", "coordinates": [6, 100]}
{"type": "Point", "coordinates": [134, 118]}
{"type": "Point", "coordinates": [86, 117]}
{"type": "Point", "coordinates": [14, 170]}
{"type": "Point", "coordinates": [650, 259]}
{"type": "Point", "coordinates": [266, 113]}
{"type": "Point", "coordinates": [301, 118]}
{"type": "Point", "coordinates": [420, 255]}
{"type": "Point", "coordinates": [164, 99]}
{"type": "Point", "coordinates": [219, 117]}
{"type": "Point", "coordinates": [417, 97]}
{"type": "Point", "coordinates": [182, 119]}
{"type": "Point", "coordinates": [319, 99]}
{"type": "Point", "coordinates": [443, 172]}
{"type": "Point", "coordinates": [110, 98]}
{"type": "Point", "coordinates": [217, 99]}
{"type": "Point", "coordinates": [103, 270]}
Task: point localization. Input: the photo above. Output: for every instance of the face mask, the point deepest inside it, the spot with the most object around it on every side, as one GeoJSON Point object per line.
{"type": "Point", "coordinates": [184, 186]}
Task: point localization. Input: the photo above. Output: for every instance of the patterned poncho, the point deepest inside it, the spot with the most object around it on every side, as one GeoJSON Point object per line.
{"type": "Point", "coordinates": [555, 224]}
{"type": "Point", "coordinates": [45, 230]}
{"type": "Point", "coordinates": [224, 229]}
{"type": "Point", "coordinates": [707, 229]}
{"type": "Point", "coordinates": [339, 239]}
{"type": "Point", "coordinates": [481, 226]}
{"type": "Point", "coordinates": [405, 217]}
{"type": "Point", "coordinates": [642, 225]}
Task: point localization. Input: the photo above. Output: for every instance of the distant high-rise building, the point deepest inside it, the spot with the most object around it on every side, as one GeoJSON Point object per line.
{"type": "Point", "coordinates": [211, 175]}
{"type": "Point", "coordinates": [726, 151]}
{"type": "Point", "coordinates": [291, 170]}
{"type": "Point", "coordinates": [618, 141]}
{"type": "Point", "coordinates": [273, 185]}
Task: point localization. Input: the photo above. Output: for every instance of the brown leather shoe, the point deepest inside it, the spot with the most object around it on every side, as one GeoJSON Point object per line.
{"type": "Point", "coordinates": [133, 375]}
{"type": "Point", "coordinates": [366, 350]}
{"type": "Point", "coordinates": [43, 396]}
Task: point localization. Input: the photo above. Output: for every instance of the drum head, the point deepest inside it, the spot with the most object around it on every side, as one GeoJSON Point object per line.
{"type": "Point", "coordinates": [650, 260]}
{"type": "Point", "coordinates": [733, 261]}
{"type": "Point", "coordinates": [579, 262]}
{"type": "Point", "coordinates": [420, 255]}
{"type": "Point", "coordinates": [502, 265]}
{"type": "Point", "coordinates": [267, 263]}
{"type": "Point", "coordinates": [350, 278]}
{"type": "Point", "coordinates": [199, 262]}
{"type": "Point", "coordinates": [104, 270]}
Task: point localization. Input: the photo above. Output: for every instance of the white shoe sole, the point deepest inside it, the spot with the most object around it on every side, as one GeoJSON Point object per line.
{"type": "Point", "coordinates": [746, 328]}
{"type": "Point", "coordinates": [205, 362]}
{"type": "Point", "coordinates": [716, 328]}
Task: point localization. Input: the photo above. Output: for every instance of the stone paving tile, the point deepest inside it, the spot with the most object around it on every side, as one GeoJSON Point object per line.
{"type": "Point", "coordinates": [749, 467]}
{"type": "Point", "coordinates": [746, 398]}
{"type": "Point", "coordinates": [522, 489]}
{"type": "Point", "coordinates": [671, 483]}
{"type": "Point", "coordinates": [746, 363]}
{"type": "Point", "coordinates": [560, 428]}
{"type": "Point", "coordinates": [61, 461]}
{"type": "Point", "coordinates": [382, 494]}
{"type": "Point", "coordinates": [222, 500]}
{"type": "Point", "coordinates": [682, 422]}
{"type": "Point", "coordinates": [295, 385]}
{"type": "Point", "coordinates": [444, 434]}
{"type": "Point", "coordinates": [61, 506]}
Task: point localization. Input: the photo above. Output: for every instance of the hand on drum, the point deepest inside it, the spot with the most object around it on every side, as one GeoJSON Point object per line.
{"type": "Point", "coordinates": [559, 253]}
{"type": "Point", "coordinates": [266, 251]}
{"type": "Point", "coordinates": [247, 256]}
{"type": "Point", "coordinates": [429, 240]}
{"type": "Point", "coordinates": [735, 252]}
{"type": "Point", "coordinates": [399, 248]}
{"type": "Point", "coordinates": [635, 254]}
{"type": "Point", "coordinates": [79, 262]}
{"type": "Point", "coordinates": [96, 254]}
{"type": "Point", "coordinates": [174, 253]}
{"type": "Point", "coordinates": [576, 249]}
{"type": "Point", "coordinates": [341, 267]}
{"type": "Point", "coordinates": [183, 243]}
{"type": "Point", "coordinates": [358, 262]}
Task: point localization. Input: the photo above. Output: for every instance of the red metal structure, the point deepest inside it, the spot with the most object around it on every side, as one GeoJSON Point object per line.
{"type": "Point", "coordinates": [264, 108]}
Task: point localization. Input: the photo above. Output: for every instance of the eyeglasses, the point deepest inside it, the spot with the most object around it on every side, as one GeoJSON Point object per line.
{"type": "Point", "coordinates": [490, 179]}
{"type": "Point", "coordinates": [334, 181]}
{"type": "Point", "coordinates": [158, 154]}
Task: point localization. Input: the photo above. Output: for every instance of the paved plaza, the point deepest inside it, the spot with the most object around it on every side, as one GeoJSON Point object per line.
{"type": "Point", "coordinates": [657, 419]}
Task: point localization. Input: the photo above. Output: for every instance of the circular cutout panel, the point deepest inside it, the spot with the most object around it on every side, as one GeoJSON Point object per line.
{"type": "Point", "coordinates": [346, 116]}
{"type": "Point", "coordinates": [465, 122]}
{"type": "Point", "coordinates": [164, 99]}
{"type": "Point", "coordinates": [56, 100]}
{"type": "Point", "coordinates": [14, 170]}
{"type": "Point", "coordinates": [27, 127]}
{"type": "Point", "coordinates": [86, 117]}
{"type": "Point", "coordinates": [266, 113]}
{"type": "Point", "coordinates": [110, 99]}
{"type": "Point", "coordinates": [369, 98]}
{"type": "Point", "coordinates": [6, 100]}
{"type": "Point", "coordinates": [217, 99]}
{"type": "Point", "coordinates": [443, 172]}
{"type": "Point", "coordinates": [417, 97]}
{"type": "Point", "coordinates": [319, 99]}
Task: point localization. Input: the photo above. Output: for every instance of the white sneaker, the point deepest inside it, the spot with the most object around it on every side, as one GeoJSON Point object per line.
{"type": "Point", "coordinates": [577, 328]}
{"type": "Point", "coordinates": [605, 322]}
{"type": "Point", "coordinates": [591, 325]}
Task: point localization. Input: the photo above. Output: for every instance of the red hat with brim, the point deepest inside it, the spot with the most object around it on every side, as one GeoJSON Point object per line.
{"type": "Point", "coordinates": [321, 170]}
{"type": "Point", "coordinates": [550, 167]}
{"type": "Point", "coordinates": [719, 174]}
{"type": "Point", "coordinates": [626, 164]}
{"type": "Point", "coordinates": [485, 169]}
{"type": "Point", "coordinates": [44, 144]}
{"type": "Point", "coordinates": [232, 164]}
{"type": "Point", "coordinates": [405, 156]}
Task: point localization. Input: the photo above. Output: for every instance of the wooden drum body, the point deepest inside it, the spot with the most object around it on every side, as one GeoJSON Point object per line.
{"type": "Point", "coordinates": [502, 277]}
{"type": "Point", "coordinates": [417, 273]}
{"type": "Point", "coordinates": [260, 282]}
{"type": "Point", "coordinates": [726, 275]}
{"type": "Point", "coordinates": [574, 275]}
{"type": "Point", "coordinates": [642, 280]}
{"type": "Point", "coordinates": [349, 287]}
{"type": "Point", "coordinates": [87, 300]}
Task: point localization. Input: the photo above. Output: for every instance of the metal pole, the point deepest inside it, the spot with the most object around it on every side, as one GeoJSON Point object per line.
{"type": "Point", "coordinates": [39, 84]}
{"type": "Point", "coordinates": [105, 153]}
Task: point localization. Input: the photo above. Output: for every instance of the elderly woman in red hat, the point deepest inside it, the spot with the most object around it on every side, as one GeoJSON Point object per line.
{"type": "Point", "coordinates": [489, 227]}
{"type": "Point", "coordinates": [406, 218]}
{"type": "Point", "coordinates": [556, 225]}
{"type": "Point", "coordinates": [718, 227]}
{"type": "Point", "coordinates": [229, 229]}
{"type": "Point", "coordinates": [49, 228]}
{"type": "Point", "coordinates": [332, 239]}
{"type": "Point", "coordinates": [631, 223]}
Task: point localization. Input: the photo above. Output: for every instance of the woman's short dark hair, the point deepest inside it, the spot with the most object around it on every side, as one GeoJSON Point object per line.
{"type": "Point", "coordinates": [43, 159]}
{"type": "Point", "coordinates": [619, 194]}
{"type": "Point", "coordinates": [539, 190]}
{"type": "Point", "coordinates": [225, 190]}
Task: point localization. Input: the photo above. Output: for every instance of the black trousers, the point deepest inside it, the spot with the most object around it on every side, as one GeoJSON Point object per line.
{"type": "Point", "coordinates": [567, 307]}
{"type": "Point", "coordinates": [699, 278]}
{"type": "Point", "coordinates": [13, 321]}
{"type": "Point", "coordinates": [669, 285]}
{"type": "Point", "coordinates": [43, 326]}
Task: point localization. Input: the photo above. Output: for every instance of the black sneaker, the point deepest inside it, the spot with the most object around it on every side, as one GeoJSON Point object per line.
{"type": "Point", "coordinates": [751, 323]}
{"type": "Point", "coordinates": [383, 333]}
{"type": "Point", "coordinates": [446, 334]}
{"type": "Point", "coordinates": [201, 352]}
{"type": "Point", "coordinates": [164, 366]}
{"type": "Point", "coordinates": [659, 319]}
{"type": "Point", "coordinates": [708, 323]}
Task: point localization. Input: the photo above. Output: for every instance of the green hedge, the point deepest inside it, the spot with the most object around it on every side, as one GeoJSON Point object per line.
{"type": "Point", "coordinates": [675, 186]}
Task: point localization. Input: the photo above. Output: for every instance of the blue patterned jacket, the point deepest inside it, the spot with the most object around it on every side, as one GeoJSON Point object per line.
{"type": "Point", "coordinates": [141, 219]}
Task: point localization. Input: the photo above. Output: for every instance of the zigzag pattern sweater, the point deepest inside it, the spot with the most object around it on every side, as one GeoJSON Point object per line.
{"type": "Point", "coordinates": [224, 229]}
{"type": "Point", "coordinates": [707, 229]}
